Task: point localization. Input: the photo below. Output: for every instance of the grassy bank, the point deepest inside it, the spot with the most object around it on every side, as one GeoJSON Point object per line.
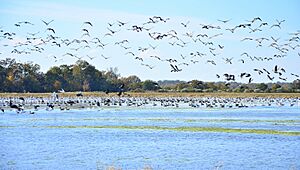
{"type": "Point", "coordinates": [157, 94]}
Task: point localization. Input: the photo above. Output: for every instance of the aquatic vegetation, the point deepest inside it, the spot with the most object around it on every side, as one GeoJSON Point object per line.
{"type": "Point", "coordinates": [189, 129]}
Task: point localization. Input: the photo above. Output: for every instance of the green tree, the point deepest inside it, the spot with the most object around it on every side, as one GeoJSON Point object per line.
{"type": "Point", "coordinates": [196, 84]}
{"type": "Point", "coordinates": [181, 86]}
{"type": "Point", "coordinates": [262, 86]}
{"type": "Point", "coordinates": [150, 85]}
{"type": "Point", "coordinates": [275, 86]}
{"type": "Point", "coordinates": [2, 78]}
{"type": "Point", "coordinates": [211, 86]}
{"type": "Point", "coordinates": [131, 83]}
{"type": "Point", "coordinates": [53, 76]}
{"type": "Point", "coordinates": [112, 79]}
{"type": "Point", "coordinates": [296, 84]}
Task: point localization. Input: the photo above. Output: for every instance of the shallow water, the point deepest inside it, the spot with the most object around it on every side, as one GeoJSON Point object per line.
{"type": "Point", "coordinates": [44, 140]}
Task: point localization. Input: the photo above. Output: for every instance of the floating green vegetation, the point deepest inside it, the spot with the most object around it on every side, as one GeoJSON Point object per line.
{"type": "Point", "coordinates": [190, 129]}
{"type": "Point", "coordinates": [7, 126]}
{"type": "Point", "coordinates": [242, 120]}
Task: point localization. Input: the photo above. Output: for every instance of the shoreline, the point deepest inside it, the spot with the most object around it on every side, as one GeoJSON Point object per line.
{"type": "Point", "coordinates": [158, 94]}
{"type": "Point", "coordinates": [71, 100]}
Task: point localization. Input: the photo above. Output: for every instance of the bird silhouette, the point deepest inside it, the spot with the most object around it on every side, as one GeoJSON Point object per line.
{"type": "Point", "coordinates": [47, 23]}
{"type": "Point", "coordinates": [270, 78]}
{"type": "Point", "coordinates": [139, 58]}
{"type": "Point", "coordinates": [121, 23]}
{"type": "Point", "coordinates": [228, 60]}
{"type": "Point", "coordinates": [224, 21]}
{"type": "Point", "coordinates": [88, 23]}
{"type": "Point", "coordinates": [112, 31]}
{"type": "Point", "coordinates": [51, 29]}
{"type": "Point", "coordinates": [185, 24]}
{"type": "Point", "coordinates": [175, 68]}
{"type": "Point", "coordinates": [104, 57]}
{"type": "Point", "coordinates": [250, 80]}
{"type": "Point", "coordinates": [258, 71]}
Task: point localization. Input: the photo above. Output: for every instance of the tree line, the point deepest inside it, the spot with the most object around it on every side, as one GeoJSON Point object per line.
{"type": "Point", "coordinates": [82, 76]}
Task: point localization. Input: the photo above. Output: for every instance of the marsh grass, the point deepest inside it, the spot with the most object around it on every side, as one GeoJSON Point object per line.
{"type": "Point", "coordinates": [224, 120]}
{"type": "Point", "coordinates": [189, 129]}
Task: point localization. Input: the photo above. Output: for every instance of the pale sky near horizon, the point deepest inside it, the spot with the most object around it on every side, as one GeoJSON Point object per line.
{"type": "Point", "coordinates": [69, 16]}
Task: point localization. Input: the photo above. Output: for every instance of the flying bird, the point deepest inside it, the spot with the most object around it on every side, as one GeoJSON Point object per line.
{"type": "Point", "coordinates": [139, 58]}
{"type": "Point", "coordinates": [255, 19]}
{"type": "Point", "coordinates": [112, 31]}
{"type": "Point", "coordinates": [243, 61]}
{"type": "Point", "coordinates": [88, 23]}
{"type": "Point", "coordinates": [175, 68]}
{"type": "Point", "coordinates": [47, 23]}
{"type": "Point", "coordinates": [185, 24]}
{"type": "Point", "coordinates": [296, 75]}
{"type": "Point", "coordinates": [228, 60]}
{"type": "Point", "coordinates": [224, 21]}
{"type": "Point", "coordinates": [250, 80]}
{"type": "Point", "coordinates": [121, 23]}
{"type": "Point", "coordinates": [270, 78]}
{"type": "Point", "coordinates": [258, 71]}
{"type": "Point", "coordinates": [104, 57]}
{"type": "Point", "coordinates": [51, 29]}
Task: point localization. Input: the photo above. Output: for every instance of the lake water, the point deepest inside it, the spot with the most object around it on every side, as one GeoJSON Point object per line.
{"type": "Point", "coordinates": [96, 139]}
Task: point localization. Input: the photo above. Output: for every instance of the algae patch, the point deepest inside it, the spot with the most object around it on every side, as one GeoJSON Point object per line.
{"type": "Point", "coordinates": [190, 129]}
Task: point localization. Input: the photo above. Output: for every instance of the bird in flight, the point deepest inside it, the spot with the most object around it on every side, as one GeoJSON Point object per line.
{"type": "Point", "coordinates": [228, 60]}
{"type": "Point", "coordinates": [47, 23]}
{"type": "Point", "coordinates": [153, 47]}
{"type": "Point", "coordinates": [51, 29]}
{"type": "Point", "coordinates": [250, 80]}
{"type": "Point", "coordinates": [270, 78]}
{"type": "Point", "coordinates": [212, 62]}
{"type": "Point", "coordinates": [33, 34]}
{"type": "Point", "coordinates": [121, 23]}
{"type": "Point", "coordinates": [255, 19]}
{"type": "Point", "coordinates": [112, 31]}
{"type": "Point", "coordinates": [278, 24]}
{"type": "Point", "coordinates": [89, 23]}
{"type": "Point", "coordinates": [258, 71]}
{"type": "Point", "coordinates": [175, 68]}
{"type": "Point", "coordinates": [185, 24]}
{"type": "Point", "coordinates": [139, 58]}
{"type": "Point", "coordinates": [111, 24]}
{"type": "Point", "coordinates": [224, 21]}
{"type": "Point", "coordinates": [296, 75]}
{"type": "Point", "coordinates": [91, 58]}
{"type": "Point", "coordinates": [104, 57]}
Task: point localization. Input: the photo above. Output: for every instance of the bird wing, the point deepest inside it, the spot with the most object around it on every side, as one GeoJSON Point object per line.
{"type": "Point", "coordinates": [172, 66]}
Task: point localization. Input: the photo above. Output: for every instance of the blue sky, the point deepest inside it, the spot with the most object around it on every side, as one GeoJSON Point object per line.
{"type": "Point", "coordinates": [69, 15]}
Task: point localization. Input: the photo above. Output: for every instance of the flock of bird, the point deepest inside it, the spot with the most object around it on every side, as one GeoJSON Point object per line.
{"type": "Point", "coordinates": [33, 104]}
{"type": "Point", "coordinates": [206, 37]}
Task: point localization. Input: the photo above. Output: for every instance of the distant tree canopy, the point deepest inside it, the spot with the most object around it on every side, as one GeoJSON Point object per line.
{"type": "Point", "coordinates": [262, 86]}
{"type": "Point", "coordinates": [150, 85]}
{"type": "Point", "coordinates": [27, 77]}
